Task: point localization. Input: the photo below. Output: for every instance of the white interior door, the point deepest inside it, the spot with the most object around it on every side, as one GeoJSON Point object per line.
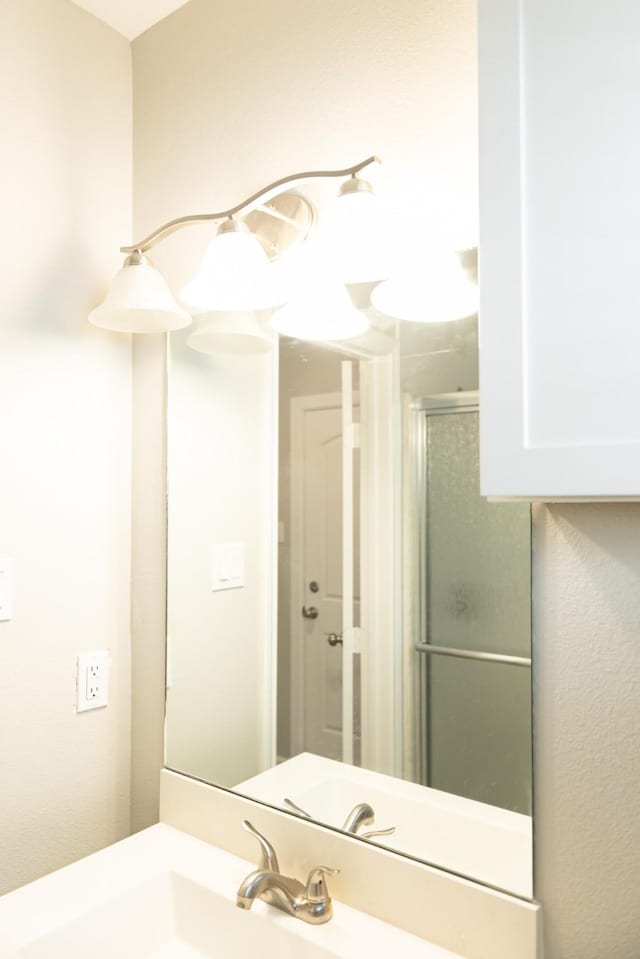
{"type": "Point", "coordinates": [317, 580]}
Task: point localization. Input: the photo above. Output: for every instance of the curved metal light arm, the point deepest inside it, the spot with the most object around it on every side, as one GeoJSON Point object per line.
{"type": "Point", "coordinates": [262, 195]}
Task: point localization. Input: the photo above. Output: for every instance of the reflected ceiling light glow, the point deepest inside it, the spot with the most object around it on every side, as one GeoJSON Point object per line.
{"type": "Point", "coordinates": [139, 301]}
{"type": "Point", "coordinates": [439, 292]}
{"type": "Point", "coordinates": [319, 307]}
{"type": "Point", "coordinates": [333, 318]}
{"type": "Point", "coordinates": [235, 274]}
{"type": "Point", "coordinates": [240, 334]}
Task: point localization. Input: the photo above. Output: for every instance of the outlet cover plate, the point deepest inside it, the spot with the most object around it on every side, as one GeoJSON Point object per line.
{"type": "Point", "coordinates": [227, 568]}
{"type": "Point", "coordinates": [92, 680]}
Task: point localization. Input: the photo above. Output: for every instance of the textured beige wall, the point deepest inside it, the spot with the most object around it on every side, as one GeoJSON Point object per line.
{"type": "Point", "coordinates": [228, 96]}
{"type": "Point", "coordinates": [586, 656]}
{"type": "Point", "coordinates": [65, 196]}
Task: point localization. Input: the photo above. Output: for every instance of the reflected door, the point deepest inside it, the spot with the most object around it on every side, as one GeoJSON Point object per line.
{"type": "Point", "coordinates": [317, 576]}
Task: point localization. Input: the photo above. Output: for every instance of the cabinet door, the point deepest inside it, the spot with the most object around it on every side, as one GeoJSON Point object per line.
{"type": "Point", "coordinates": [560, 248]}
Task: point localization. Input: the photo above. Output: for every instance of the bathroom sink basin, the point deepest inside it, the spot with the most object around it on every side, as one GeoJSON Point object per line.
{"type": "Point", "coordinates": [170, 917]}
{"type": "Point", "coordinates": [162, 894]}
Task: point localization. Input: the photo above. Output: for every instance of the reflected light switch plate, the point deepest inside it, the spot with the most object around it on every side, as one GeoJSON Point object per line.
{"type": "Point", "coordinates": [227, 568]}
{"type": "Point", "coordinates": [6, 590]}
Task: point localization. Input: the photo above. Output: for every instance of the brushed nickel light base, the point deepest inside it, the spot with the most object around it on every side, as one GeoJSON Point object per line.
{"type": "Point", "coordinates": [256, 202]}
{"type": "Point", "coordinates": [282, 223]}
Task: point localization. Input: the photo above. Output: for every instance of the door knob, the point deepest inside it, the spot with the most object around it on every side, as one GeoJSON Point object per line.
{"type": "Point", "coordinates": [310, 612]}
{"type": "Point", "coordinates": [334, 639]}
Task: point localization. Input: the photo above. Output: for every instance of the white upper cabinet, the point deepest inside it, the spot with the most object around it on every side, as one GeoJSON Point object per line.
{"type": "Point", "coordinates": [560, 248]}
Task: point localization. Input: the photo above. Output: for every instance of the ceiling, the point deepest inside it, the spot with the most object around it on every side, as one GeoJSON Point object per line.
{"type": "Point", "coordinates": [130, 17]}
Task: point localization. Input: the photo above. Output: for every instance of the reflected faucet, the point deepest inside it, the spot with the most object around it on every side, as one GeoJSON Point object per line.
{"type": "Point", "coordinates": [363, 815]}
{"type": "Point", "coordinates": [296, 808]}
{"type": "Point", "coordinates": [360, 815]}
{"type": "Point", "coordinates": [310, 902]}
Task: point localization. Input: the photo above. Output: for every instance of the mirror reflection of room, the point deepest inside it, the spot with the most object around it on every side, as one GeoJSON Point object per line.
{"type": "Point", "coordinates": [474, 596]}
{"type": "Point", "coordinates": [396, 686]}
{"type": "Point", "coordinates": [403, 683]}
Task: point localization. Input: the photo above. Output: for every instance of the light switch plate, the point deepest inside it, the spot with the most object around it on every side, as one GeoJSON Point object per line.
{"type": "Point", "coordinates": [227, 566]}
{"type": "Point", "coordinates": [93, 680]}
{"type": "Point", "coordinates": [6, 590]}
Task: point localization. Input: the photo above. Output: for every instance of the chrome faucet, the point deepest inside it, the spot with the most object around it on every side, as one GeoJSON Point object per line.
{"type": "Point", "coordinates": [310, 902]}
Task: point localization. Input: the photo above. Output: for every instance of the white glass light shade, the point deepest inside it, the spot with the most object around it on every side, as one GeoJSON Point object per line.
{"type": "Point", "coordinates": [139, 301]}
{"type": "Point", "coordinates": [237, 333]}
{"type": "Point", "coordinates": [356, 231]}
{"type": "Point", "coordinates": [235, 274]}
{"type": "Point", "coordinates": [439, 292]}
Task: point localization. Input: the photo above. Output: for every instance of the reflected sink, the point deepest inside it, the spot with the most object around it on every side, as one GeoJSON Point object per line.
{"type": "Point", "coordinates": [471, 838]}
{"type": "Point", "coordinates": [170, 917]}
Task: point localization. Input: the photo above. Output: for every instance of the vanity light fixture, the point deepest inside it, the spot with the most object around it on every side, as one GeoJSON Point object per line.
{"type": "Point", "coordinates": [235, 274]}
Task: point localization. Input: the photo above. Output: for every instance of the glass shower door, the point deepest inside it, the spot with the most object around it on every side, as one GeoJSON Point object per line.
{"type": "Point", "coordinates": [476, 635]}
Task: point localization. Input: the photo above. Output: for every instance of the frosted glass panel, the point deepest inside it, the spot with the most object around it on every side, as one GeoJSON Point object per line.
{"type": "Point", "coordinates": [478, 714]}
{"type": "Point", "coordinates": [479, 731]}
{"type": "Point", "coordinates": [479, 566]}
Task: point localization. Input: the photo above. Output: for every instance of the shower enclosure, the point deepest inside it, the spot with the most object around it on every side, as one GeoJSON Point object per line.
{"type": "Point", "coordinates": [473, 695]}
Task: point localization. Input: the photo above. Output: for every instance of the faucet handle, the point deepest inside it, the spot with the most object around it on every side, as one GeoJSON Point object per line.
{"type": "Point", "coordinates": [269, 860]}
{"type": "Point", "coordinates": [316, 890]}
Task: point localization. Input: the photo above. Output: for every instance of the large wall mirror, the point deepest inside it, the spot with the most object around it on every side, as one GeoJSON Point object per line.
{"type": "Point", "coordinates": [348, 619]}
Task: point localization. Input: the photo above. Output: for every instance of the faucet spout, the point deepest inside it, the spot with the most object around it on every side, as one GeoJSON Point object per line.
{"type": "Point", "coordinates": [360, 815]}
{"type": "Point", "coordinates": [279, 890]}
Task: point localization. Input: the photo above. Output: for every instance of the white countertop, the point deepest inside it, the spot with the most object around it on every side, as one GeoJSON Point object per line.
{"type": "Point", "coordinates": [59, 900]}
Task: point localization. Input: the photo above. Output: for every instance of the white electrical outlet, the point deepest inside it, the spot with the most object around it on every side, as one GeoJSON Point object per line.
{"type": "Point", "coordinates": [227, 566]}
{"type": "Point", "coordinates": [93, 681]}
